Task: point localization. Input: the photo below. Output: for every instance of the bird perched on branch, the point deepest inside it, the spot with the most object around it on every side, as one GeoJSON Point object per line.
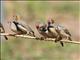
{"type": "Point", "coordinates": [20, 27]}
{"type": "Point", "coordinates": [2, 31]}
{"type": "Point", "coordinates": [53, 29]}
{"type": "Point", "coordinates": [61, 31]}
{"type": "Point", "coordinates": [42, 29]}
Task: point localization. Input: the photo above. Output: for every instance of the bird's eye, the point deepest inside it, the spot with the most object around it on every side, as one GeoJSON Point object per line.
{"type": "Point", "coordinates": [37, 27]}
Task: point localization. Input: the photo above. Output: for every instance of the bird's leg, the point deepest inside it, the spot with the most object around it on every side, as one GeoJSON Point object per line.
{"type": "Point", "coordinates": [31, 34]}
{"type": "Point", "coordinates": [34, 34]}
{"type": "Point", "coordinates": [61, 43]}
{"type": "Point", "coordinates": [37, 38]}
{"type": "Point", "coordinates": [58, 38]}
{"type": "Point", "coordinates": [42, 38]}
{"type": "Point", "coordinates": [69, 38]}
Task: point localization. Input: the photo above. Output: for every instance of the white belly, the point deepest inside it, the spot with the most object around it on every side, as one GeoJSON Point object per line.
{"type": "Point", "coordinates": [53, 31]}
{"type": "Point", "coordinates": [13, 27]}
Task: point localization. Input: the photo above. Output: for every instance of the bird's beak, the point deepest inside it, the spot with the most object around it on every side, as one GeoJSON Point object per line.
{"type": "Point", "coordinates": [17, 18]}
{"type": "Point", "coordinates": [9, 22]}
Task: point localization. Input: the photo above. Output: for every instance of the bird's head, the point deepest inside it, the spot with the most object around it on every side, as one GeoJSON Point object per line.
{"type": "Point", "coordinates": [16, 17]}
{"type": "Point", "coordinates": [37, 26]}
{"type": "Point", "coordinates": [42, 27]}
{"type": "Point", "coordinates": [51, 21]}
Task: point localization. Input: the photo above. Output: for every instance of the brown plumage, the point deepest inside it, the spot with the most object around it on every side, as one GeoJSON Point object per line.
{"type": "Point", "coordinates": [52, 29]}
{"type": "Point", "coordinates": [19, 27]}
{"type": "Point", "coordinates": [61, 31]}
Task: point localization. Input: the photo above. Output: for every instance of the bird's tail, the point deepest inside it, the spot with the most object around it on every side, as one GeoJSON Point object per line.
{"type": "Point", "coordinates": [58, 39]}
{"type": "Point", "coordinates": [6, 37]}
{"type": "Point", "coordinates": [31, 33]}
{"type": "Point", "coordinates": [61, 43]}
{"type": "Point", "coordinates": [69, 38]}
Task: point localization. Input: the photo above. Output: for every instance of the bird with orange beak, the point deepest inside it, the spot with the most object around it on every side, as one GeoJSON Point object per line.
{"type": "Point", "coordinates": [61, 31]}
{"type": "Point", "coordinates": [42, 29]}
{"type": "Point", "coordinates": [53, 29]}
{"type": "Point", "coordinates": [19, 27]}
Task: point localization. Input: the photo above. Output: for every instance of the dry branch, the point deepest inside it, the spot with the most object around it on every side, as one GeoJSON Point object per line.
{"type": "Point", "coordinates": [30, 37]}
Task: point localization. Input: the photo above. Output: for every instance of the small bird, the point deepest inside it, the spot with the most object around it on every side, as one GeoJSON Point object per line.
{"type": "Point", "coordinates": [20, 27]}
{"type": "Point", "coordinates": [62, 31]}
{"type": "Point", "coordinates": [42, 30]}
{"type": "Point", "coordinates": [52, 28]}
{"type": "Point", "coordinates": [2, 31]}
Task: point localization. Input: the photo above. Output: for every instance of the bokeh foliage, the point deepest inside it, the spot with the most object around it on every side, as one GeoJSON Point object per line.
{"type": "Point", "coordinates": [30, 49]}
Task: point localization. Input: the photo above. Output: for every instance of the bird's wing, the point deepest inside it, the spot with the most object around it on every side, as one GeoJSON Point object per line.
{"type": "Point", "coordinates": [67, 32]}
{"type": "Point", "coordinates": [25, 25]}
{"type": "Point", "coordinates": [22, 27]}
{"type": "Point", "coordinates": [26, 28]}
{"type": "Point", "coordinates": [64, 29]}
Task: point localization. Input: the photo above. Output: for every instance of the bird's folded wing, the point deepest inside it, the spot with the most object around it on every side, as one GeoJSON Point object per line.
{"type": "Point", "coordinates": [25, 27]}
{"type": "Point", "coordinates": [67, 32]}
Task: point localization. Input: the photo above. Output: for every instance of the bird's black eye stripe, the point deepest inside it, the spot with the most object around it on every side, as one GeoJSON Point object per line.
{"type": "Point", "coordinates": [49, 27]}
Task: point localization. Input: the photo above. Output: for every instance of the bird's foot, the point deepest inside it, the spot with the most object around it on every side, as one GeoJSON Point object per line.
{"type": "Point", "coordinates": [31, 34]}
{"type": "Point", "coordinates": [40, 38]}
{"type": "Point", "coordinates": [69, 38]}
{"type": "Point", "coordinates": [58, 38]}
{"type": "Point", "coordinates": [55, 41]}
{"type": "Point", "coordinates": [37, 38]}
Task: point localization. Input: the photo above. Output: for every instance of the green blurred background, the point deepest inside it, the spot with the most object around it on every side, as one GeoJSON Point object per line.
{"type": "Point", "coordinates": [65, 13]}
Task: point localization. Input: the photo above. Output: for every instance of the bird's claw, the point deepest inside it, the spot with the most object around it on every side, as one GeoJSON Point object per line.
{"type": "Point", "coordinates": [40, 38]}
{"type": "Point", "coordinates": [37, 38]}
{"type": "Point", "coordinates": [55, 41]}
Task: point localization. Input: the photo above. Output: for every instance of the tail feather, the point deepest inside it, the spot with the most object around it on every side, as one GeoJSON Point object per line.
{"type": "Point", "coordinates": [69, 38]}
{"type": "Point", "coordinates": [61, 43]}
{"type": "Point", "coordinates": [6, 37]}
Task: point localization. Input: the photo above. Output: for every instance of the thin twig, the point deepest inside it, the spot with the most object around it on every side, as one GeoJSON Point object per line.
{"type": "Point", "coordinates": [30, 37]}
